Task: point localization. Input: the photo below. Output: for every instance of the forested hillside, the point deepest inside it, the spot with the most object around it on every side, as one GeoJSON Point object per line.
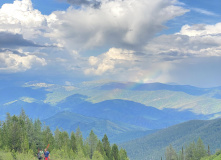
{"type": "Point", "coordinates": [116, 132]}
{"type": "Point", "coordinates": [193, 151]}
{"type": "Point", "coordinates": [22, 137]}
{"type": "Point", "coordinates": [153, 146]}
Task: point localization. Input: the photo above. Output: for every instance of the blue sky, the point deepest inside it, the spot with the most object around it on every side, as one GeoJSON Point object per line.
{"type": "Point", "coordinates": [69, 41]}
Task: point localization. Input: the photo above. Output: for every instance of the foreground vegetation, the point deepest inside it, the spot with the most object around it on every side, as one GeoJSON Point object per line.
{"type": "Point", "coordinates": [216, 156]}
{"type": "Point", "coordinates": [6, 155]}
{"type": "Point", "coordinates": [21, 138]}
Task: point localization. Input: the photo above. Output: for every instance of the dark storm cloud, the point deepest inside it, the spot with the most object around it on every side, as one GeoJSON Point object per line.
{"type": "Point", "coordinates": [15, 40]}
{"type": "Point", "coordinates": [93, 3]}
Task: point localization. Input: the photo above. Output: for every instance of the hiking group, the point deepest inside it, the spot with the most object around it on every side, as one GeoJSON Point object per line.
{"type": "Point", "coordinates": [45, 155]}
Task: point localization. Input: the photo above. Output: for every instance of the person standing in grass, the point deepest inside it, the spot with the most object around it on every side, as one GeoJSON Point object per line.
{"type": "Point", "coordinates": [40, 154]}
{"type": "Point", "coordinates": [47, 154]}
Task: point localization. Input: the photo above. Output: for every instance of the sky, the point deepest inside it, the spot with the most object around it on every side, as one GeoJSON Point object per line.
{"type": "Point", "coordinates": [145, 41]}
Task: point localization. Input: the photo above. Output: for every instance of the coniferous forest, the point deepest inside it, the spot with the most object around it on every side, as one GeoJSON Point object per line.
{"type": "Point", "coordinates": [193, 151]}
{"type": "Point", "coordinates": [22, 138]}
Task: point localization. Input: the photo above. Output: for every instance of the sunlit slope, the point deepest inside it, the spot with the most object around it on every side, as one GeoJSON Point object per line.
{"type": "Point", "coordinates": [160, 99]}
{"type": "Point", "coordinates": [203, 104]}
{"type": "Point", "coordinates": [181, 97]}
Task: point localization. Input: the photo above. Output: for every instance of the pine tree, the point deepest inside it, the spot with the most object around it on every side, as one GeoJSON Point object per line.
{"type": "Point", "coordinates": [23, 125]}
{"type": "Point", "coordinates": [34, 147]}
{"type": "Point", "coordinates": [25, 145]}
{"type": "Point", "coordinates": [1, 140]}
{"type": "Point", "coordinates": [36, 130]}
{"type": "Point", "coordinates": [106, 145]}
{"type": "Point", "coordinates": [64, 139]}
{"type": "Point", "coordinates": [57, 133]}
{"type": "Point", "coordinates": [79, 139]}
{"type": "Point", "coordinates": [6, 131]}
{"type": "Point", "coordinates": [97, 156]}
{"type": "Point", "coordinates": [80, 155]}
{"type": "Point", "coordinates": [123, 154]}
{"type": "Point", "coordinates": [14, 134]}
{"type": "Point", "coordinates": [190, 151]}
{"type": "Point", "coordinates": [92, 141]}
{"type": "Point", "coordinates": [5, 136]}
{"type": "Point", "coordinates": [200, 149]}
{"type": "Point", "coordinates": [22, 115]}
{"type": "Point", "coordinates": [86, 149]}
{"type": "Point", "coordinates": [73, 142]}
{"type": "Point", "coordinates": [181, 154]}
{"type": "Point", "coordinates": [8, 119]}
{"type": "Point", "coordinates": [31, 134]}
{"type": "Point", "coordinates": [100, 148]}
{"type": "Point", "coordinates": [48, 138]}
{"type": "Point", "coordinates": [115, 152]}
{"type": "Point", "coordinates": [208, 152]}
{"type": "Point", "coordinates": [170, 153]}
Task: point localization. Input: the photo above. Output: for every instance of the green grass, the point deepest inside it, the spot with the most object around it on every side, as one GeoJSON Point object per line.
{"type": "Point", "coordinates": [216, 156]}
{"type": "Point", "coordinates": [16, 156]}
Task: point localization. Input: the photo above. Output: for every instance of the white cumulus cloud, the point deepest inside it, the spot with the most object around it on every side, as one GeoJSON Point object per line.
{"type": "Point", "coordinates": [117, 23]}
{"type": "Point", "coordinates": [11, 62]}
{"type": "Point", "coordinates": [201, 30]}
{"type": "Point", "coordinates": [21, 18]}
{"type": "Point", "coordinates": [20, 26]}
{"type": "Point", "coordinates": [107, 62]}
{"type": "Point", "coordinates": [198, 40]}
{"type": "Point", "coordinates": [128, 65]}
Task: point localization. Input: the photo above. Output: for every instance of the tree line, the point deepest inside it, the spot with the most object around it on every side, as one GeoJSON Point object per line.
{"type": "Point", "coordinates": [21, 134]}
{"type": "Point", "coordinates": [193, 151]}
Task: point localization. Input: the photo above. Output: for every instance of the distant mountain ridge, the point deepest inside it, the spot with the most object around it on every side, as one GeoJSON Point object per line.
{"type": "Point", "coordinates": [156, 86]}
{"type": "Point", "coordinates": [119, 112]}
{"type": "Point", "coordinates": [158, 95]}
{"type": "Point", "coordinates": [203, 103]}
{"type": "Point", "coordinates": [14, 93]}
{"type": "Point", "coordinates": [140, 109]}
{"type": "Point", "coordinates": [130, 112]}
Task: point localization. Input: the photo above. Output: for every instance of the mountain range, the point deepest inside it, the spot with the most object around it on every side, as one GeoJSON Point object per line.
{"type": "Point", "coordinates": [123, 111]}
